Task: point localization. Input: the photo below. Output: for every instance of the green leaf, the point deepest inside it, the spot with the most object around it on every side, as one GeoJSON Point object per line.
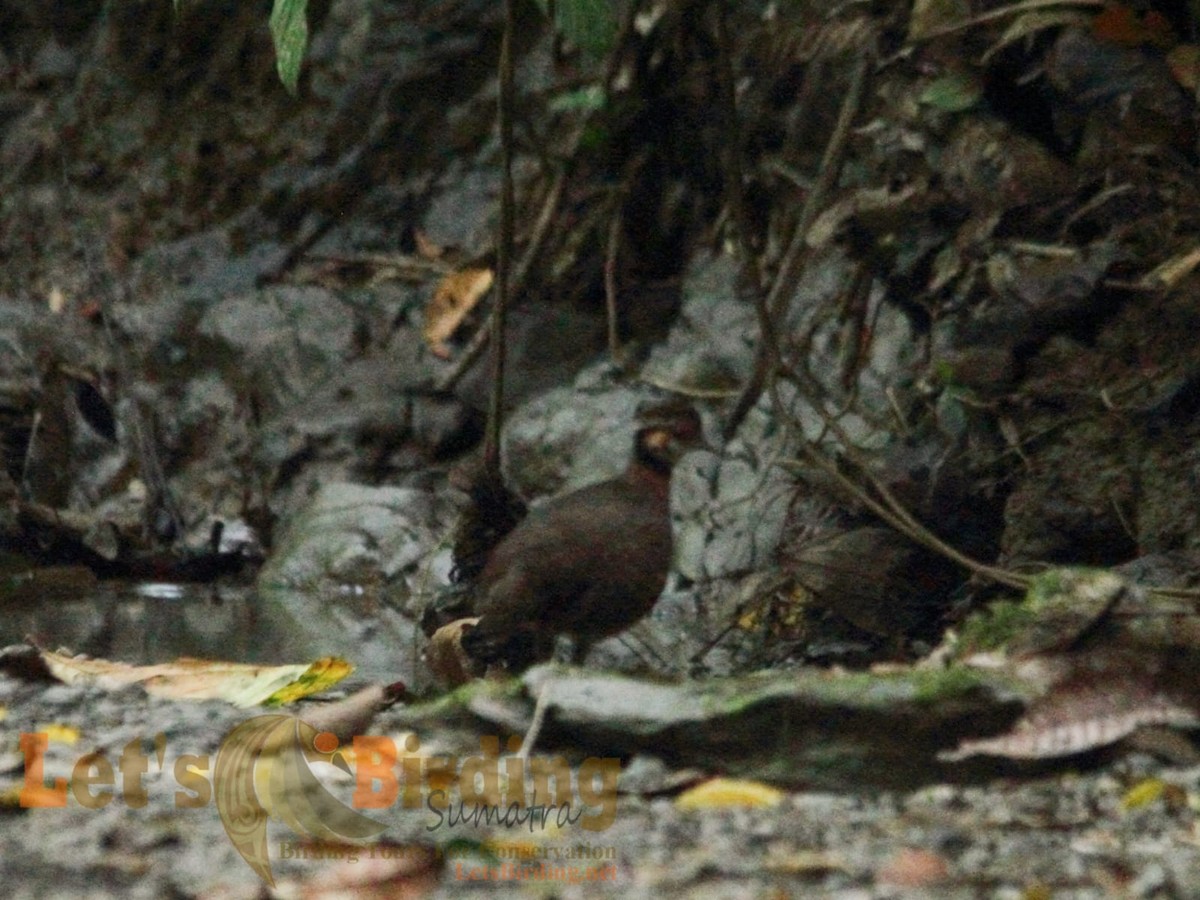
{"type": "Point", "coordinates": [590, 24]}
{"type": "Point", "coordinates": [289, 31]}
{"type": "Point", "coordinates": [584, 99]}
{"type": "Point", "coordinates": [953, 93]}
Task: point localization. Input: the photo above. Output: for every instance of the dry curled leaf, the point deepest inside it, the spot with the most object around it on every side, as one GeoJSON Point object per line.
{"type": "Point", "coordinates": [446, 657]}
{"type": "Point", "coordinates": [1079, 716]}
{"type": "Point", "coordinates": [456, 295]}
{"type": "Point", "coordinates": [1103, 657]}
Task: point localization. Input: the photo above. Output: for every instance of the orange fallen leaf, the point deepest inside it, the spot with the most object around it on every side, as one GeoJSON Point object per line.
{"type": "Point", "coordinates": [456, 295]}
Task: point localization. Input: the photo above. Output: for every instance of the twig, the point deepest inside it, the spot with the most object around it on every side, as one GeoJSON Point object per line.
{"type": "Point", "coordinates": [610, 283]}
{"type": "Point", "coordinates": [895, 514]}
{"type": "Point", "coordinates": [734, 171]}
{"type": "Point", "coordinates": [776, 302]}
{"type": "Point", "coordinates": [904, 523]}
{"type": "Point", "coordinates": [890, 510]}
{"type": "Point", "coordinates": [135, 420]}
{"type": "Point", "coordinates": [830, 171]}
{"type": "Point", "coordinates": [406, 265]}
{"type": "Point", "coordinates": [495, 420]}
{"type": "Point", "coordinates": [683, 390]}
{"type": "Point", "coordinates": [479, 341]}
{"type": "Point", "coordinates": [1002, 13]}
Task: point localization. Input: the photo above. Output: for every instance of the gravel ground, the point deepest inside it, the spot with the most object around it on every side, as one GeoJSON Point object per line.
{"type": "Point", "coordinates": [1125, 827]}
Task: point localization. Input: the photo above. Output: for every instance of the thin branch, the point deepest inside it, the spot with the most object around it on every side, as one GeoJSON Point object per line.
{"type": "Point", "coordinates": [889, 508]}
{"type": "Point", "coordinates": [479, 342]}
{"type": "Point", "coordinates": [904, 523]}
{"type": "Point", "coordinates": [134, 417]}
{"type": "Point", "coordinates": [495, 420]}
{"type": "Point", "coordinates": [734, 168]}
{"type": "Point", "coordinates": [767, 359]}
{"type": "Point", "coordinates": [735, 195]}
{"type": "Point", "coordinates": [1002, 13]}
{"type": "Point", "coordinates": [610, 283]}
{"type": "Point", "coordinates": [471, 353]}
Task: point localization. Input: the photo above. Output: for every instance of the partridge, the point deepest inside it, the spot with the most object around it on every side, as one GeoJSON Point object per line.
{"type": "Point", "coordinates": [590, 563]}
{"type": "Point", "coordinates": [874, 578]}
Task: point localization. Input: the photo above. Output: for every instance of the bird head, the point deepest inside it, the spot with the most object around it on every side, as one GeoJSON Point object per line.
{"type": "Point", "coordinates": [666, 431]}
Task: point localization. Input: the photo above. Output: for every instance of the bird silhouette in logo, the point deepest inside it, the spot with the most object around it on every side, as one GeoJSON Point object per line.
{"type": "Point", "coordinates": [262, 771]}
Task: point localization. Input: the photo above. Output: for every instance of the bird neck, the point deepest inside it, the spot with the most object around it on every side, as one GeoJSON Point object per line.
{"type": "Point", "coordinates": [649, 472]}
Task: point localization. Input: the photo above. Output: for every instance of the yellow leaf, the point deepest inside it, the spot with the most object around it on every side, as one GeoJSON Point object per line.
{"type": "Point", "coordinates": [241, 684]}
{"type": "Point", "coordinates": [60, 734]}
{"type": "Point", "coordinates": [749, 620]}
{"type": "Point", "coordinates": [10, 797]}
{"type": "Point", "coordinates": [1142, 794]}
{"type": "Point", "coordinates": [324, 673]}
{"type": "Point", "coordinates": [723, 793]}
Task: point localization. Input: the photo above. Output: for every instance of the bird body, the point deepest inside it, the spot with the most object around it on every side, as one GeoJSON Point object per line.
{"type": "Point", "coordinates": [873, 577]}
{"type": "Point", "coordinates": [587, 564]}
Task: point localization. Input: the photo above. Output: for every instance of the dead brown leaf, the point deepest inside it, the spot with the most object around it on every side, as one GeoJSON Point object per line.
{"type": "Point", "coordinates": [446, 657]}
{"type": "Point", "coordinates": [241, 684]}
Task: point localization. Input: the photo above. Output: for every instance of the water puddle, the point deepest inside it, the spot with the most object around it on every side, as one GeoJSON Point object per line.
{"type": "Point", "coordinates": [150, 622]}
